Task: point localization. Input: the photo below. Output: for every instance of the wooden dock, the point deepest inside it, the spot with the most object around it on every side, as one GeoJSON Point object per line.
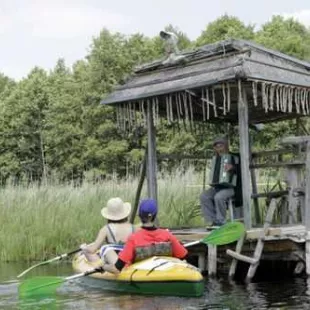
{"type": "Point", "coordinates": [279, 243]}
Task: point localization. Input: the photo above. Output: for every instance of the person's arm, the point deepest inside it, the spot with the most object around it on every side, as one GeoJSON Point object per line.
{"type": "Point", "coordinates": [114, 268]}
{"type": "Point", "coordinates": [178, 250]}
{"type": "Point", "coordinates": [101, 237]}
{"type": "Point", "coordinates": [126, 256]}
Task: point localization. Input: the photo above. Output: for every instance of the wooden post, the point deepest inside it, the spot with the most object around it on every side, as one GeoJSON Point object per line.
{"type": "Point", "coordinates": [254, 186]}
{"type": "Point", "coordinates": [202, 261]}
{"type": "Point", "coordinates": [307, 207]}
{"type": "Point", "coordinates": [233, 266]}
{"type": "Point", "coordinates": [254, 191]}
{"type": "Point", "coordinates": [212, 259]}
{"type": "Point", "coordinates": [260, 243]}
{"type": "Point", "coordinates": [244, 155]}
{"type": "Point", "coordinates": [293, 179]}
{"type": "Point", "coordinates": [139, 189]}
{"type": "Point", "coordinates": [151, 154]}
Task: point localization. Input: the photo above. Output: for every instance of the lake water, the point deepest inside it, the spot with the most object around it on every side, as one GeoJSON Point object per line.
{"type": "Point", "coordinates": [293, 293]}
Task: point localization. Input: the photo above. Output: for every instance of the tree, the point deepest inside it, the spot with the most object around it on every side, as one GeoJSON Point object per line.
{"type": "Point", "coordinates": [285, 35]}
{"type": "Point", "coordinates": [223, 28]}
{"type": "Point", "coordinates": [23, 127]}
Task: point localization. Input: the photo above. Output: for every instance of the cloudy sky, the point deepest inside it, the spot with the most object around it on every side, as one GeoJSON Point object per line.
{"type": "Point", "coordinates": [38, 32]}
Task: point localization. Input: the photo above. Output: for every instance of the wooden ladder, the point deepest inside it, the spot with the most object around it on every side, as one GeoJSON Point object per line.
{"type": "Point", "coordinates": [253, 261]}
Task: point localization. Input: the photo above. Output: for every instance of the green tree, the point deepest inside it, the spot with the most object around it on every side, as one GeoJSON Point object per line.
{"type": "Point", "coordinates": [223, 28]}
{"type": "Point", "coordinates": [23, 128]}
{"type": "Point", "coordinates": [285, 35]}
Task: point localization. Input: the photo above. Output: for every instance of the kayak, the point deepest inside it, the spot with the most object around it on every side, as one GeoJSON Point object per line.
{"type": "Point", "coordinates": [159, 275]}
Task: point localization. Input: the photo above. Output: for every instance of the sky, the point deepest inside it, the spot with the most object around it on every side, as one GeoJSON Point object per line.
{"type": "Point", "coordinates": [39, 32]}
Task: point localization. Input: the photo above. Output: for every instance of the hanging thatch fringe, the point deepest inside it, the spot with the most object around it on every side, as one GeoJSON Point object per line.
{"type": "Point", "coordinates": [297, 103]}
{"type": "Point", "coordinates": [182, 107]}
{"type": "Point", "coordinates": [290, 99]}
{"type": "Point", "coordinates": [285, 98]}
{"type": "Point", "coordinates": [203, 106]}
{"type": "Point", "coordinates": [170, 108]}
{"type": "Point", "coordinates": [271, 97]}
{"type": "Point", "coordinates": [265, 96]}
{"type": "Point", "coordinates": [190, 101]}
{"type": "Point", "coordinates": [307, 101]}
{"type": "Point", "coordinates": [224, 98]}
{"type": "Point", "coordinates": [206, 101]}
{"type": "Point", "coordinates": [167, 109]}
{"type": "Point", "coordinates": [214, 101]}
{"type": "Point", "coordinates": [228, 97]}
{"type": "Point", "coordinates": [254, 92]}
{"type": "Point", "coordinates": [177, 103]}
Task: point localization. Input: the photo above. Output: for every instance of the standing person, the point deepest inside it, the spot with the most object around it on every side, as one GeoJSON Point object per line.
{"type": "Point", "coordinates": [147, 242]}
{"type": "Point", "coordinates": [222, 183]}
{"type": "Point", "coordinates": [113, 235]}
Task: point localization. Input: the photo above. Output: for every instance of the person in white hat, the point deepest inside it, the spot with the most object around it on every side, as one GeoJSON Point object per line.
{"type": "Point", "coordinates": [114, 234]}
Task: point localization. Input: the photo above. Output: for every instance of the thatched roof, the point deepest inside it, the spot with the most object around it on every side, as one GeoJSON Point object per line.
{"type": "Point", "coordinates": [277, 85]}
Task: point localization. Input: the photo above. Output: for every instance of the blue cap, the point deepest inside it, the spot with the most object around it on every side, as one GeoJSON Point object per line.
{"type": "Point", "coordinates": [148, 207]}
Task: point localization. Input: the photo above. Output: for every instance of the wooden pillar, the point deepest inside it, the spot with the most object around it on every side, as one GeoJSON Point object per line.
{"type": "Point", "coordinates": [151, 154]}
{"type": "Point", "coordinates": [202, 261]}
{"type": "Point", "coordinates": [254, 188]}
{"type": "Point", "coordinates": [260, 242]}
{"type": "Point", "coordinates": [212, 260]}
{"type": "Point", "coordinates": [293, 179]}
{"type": "Point", "coordinates": [139, 189]}
{"type": "Point", "coordinates": [307, 207]}
{"type": "Point", "coordinates": [243, 118]}
{"type": "Point", "coordinates": [307, 188]}
{"type": "Point", "coordinates": [233, 266]}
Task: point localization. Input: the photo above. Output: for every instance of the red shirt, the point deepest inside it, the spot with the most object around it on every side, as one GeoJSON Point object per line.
{"type": "Point", "coordinates": [144, 237]}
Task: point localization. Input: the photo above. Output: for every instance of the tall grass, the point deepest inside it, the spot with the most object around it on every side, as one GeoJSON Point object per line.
{"type": "Point", "coordinates": [39, 221]}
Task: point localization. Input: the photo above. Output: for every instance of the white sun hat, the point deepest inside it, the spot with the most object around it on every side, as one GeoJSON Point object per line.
{"type": "Point", "coordinates": [116, 209]}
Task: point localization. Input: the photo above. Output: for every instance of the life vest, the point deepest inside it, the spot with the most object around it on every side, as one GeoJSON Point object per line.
{"type": "Point", "coordinates": [154, 249]}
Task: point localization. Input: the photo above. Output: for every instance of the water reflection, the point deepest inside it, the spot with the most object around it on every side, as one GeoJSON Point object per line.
{"type": "Point", "coordinates": [219, 294]}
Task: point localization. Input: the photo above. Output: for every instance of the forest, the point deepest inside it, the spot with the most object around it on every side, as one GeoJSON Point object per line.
{"type": "Point", "coordinates": [52, 124]}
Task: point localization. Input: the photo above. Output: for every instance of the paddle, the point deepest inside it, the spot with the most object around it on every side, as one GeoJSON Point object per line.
{"type": "Point", "coordinates": [227, 233]}
{"type": "Point", "coordinates": [47, 285]}
{"type": "Point", "coordinates": [49, 261]}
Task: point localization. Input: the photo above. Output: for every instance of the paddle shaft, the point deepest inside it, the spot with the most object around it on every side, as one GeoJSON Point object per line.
{"type": "Point", "coordinates": [186, 245]}
{"type": "Point", "coordinates": [84, 274]}
{"type": "Point", "coordinates": [49, 261]}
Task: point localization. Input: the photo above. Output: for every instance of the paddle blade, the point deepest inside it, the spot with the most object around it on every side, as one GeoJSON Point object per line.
{"type": "Point", "coordinates": [39, 286]}
{"type": "Point", "coordinates": [227, 233]}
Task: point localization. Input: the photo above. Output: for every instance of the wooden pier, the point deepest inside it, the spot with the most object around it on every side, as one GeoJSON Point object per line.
{"type": "Point", "coordinates": [280, 243]}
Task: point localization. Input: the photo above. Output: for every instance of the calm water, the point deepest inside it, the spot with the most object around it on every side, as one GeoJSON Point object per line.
{"type": "Point", "coordinates": [219, 294]}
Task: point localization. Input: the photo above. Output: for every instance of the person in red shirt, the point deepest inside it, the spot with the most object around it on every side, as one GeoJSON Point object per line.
{"type": "Point", "coordinates": [148, 241]}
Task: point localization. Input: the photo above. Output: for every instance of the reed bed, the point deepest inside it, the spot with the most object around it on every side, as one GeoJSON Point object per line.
{"type": "Point", "coordinates": [38, 222]}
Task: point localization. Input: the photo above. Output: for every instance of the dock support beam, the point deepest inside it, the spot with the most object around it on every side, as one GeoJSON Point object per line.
{"type": "Point", "coordinates": [151, 154]}
{"type": "Point", "coordinates": [233, 266]}
{"type": "Point", "coordinates": [243, 116]}
{"type": "Point", "coordinates": [307, 207]}
{"type": "Point", "coordinates": [212, 260]}
{"type": "Point", "coordinates": [253, 261]}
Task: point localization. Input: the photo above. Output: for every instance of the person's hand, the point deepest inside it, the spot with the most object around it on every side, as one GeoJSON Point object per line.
{"type": "Point", "coordinates": [83, 246]}
{"type": "Point", "coordinates": [228, 167]}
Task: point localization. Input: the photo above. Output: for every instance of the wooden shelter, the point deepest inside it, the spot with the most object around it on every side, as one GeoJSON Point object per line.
{"type": "Point", "coordinates": [231, 81]}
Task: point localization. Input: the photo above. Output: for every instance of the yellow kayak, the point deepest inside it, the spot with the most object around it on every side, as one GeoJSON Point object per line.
{"type": "Point", "coordinates": [159, 275]}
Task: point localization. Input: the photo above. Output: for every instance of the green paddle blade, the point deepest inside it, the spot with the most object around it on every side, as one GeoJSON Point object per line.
{"type": "Point", "coordinates": [227, 233]}
{"type": "Point", "coordinates": [39, 286]}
